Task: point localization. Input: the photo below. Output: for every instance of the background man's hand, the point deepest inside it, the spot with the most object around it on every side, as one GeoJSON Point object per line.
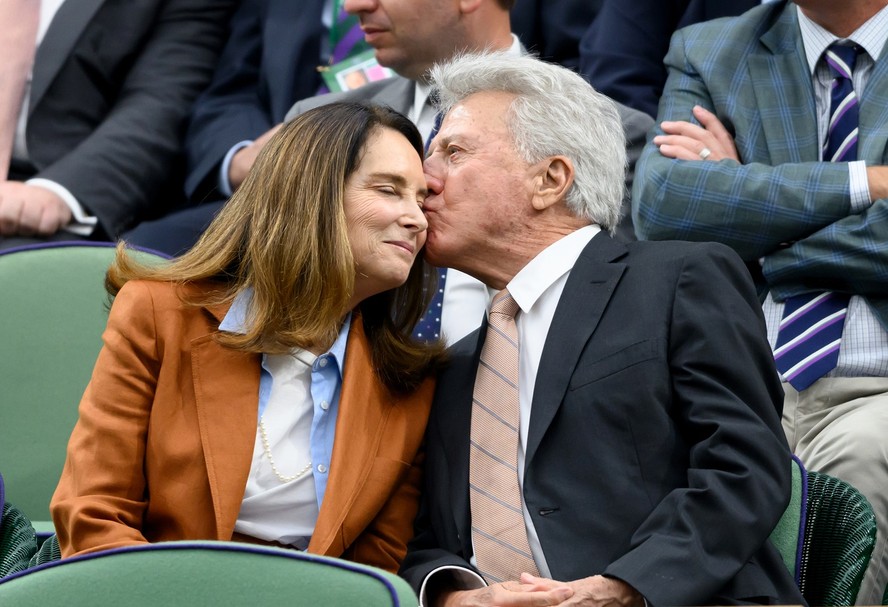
{"type": "Point", "coordinates": [29, 210]}
{"type": "Point", "coordinates": [686, 141]}
{"type": "Point", "coordinates": [878, 182]}
{"type": "Point", "coordinates": [243, 159]}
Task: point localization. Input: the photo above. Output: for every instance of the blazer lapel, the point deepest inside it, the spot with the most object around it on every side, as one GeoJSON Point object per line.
{"type": "Point", "coordinates": [874, 114]}
{"type": "Point", "coordinates": [787, 112]}
{"type": "Point", "coordinates": [588, 290]}
{"type": "Point", "coordinates": [453, 418]}
{"type": "Point", "coordinates": [363, 409]}
{"type": "Point", "coordinates": [65, 29]}
{"type": "Point", "coordinates": [397, 94]}
{"type": "Point", "coordinates": [226, 389]}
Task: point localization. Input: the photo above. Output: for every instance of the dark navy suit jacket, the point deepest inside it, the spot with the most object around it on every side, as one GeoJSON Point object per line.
{"type": "Point", "coordinates": [622, 52]}
{"type": "Point", "coordinates": [651, 456]}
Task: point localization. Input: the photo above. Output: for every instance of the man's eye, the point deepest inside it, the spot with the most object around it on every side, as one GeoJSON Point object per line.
{"type": "Point", "coordinates": [387, 189]}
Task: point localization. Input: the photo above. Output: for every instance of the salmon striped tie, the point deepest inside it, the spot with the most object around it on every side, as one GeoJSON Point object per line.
{"type": "Point", "coordinates": [810, 332]}
{"type": "Point", "coordinates": [499, 534]}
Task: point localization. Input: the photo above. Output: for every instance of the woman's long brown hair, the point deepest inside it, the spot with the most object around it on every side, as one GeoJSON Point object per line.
{"type": "Point", "coordinates": [283, 235]}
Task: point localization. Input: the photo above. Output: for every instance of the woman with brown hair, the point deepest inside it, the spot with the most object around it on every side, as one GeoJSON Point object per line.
{"type": "Point", "coordinates": [264, 386]}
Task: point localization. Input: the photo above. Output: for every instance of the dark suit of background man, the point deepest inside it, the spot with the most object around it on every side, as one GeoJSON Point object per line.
{"type": "Point", "coordinates": [651, 464]}
{"type": "Point", "coordinates": [622, 52]}
{"type": "Point", "coordinates": [112, 84]}
{"type": "Point", "coordinates": [761, 90]}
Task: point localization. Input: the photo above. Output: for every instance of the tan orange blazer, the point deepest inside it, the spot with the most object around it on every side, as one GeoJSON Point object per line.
{"type": "Point", "coordinates": [164, 443]}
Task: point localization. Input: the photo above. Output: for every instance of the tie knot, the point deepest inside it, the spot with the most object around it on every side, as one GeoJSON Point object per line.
{"type": "Point", "coordinates": [841, 59]}
{"type": "Point", "coordinates": [504, 304]}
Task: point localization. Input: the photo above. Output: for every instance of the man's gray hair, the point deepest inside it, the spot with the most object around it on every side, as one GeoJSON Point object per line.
{"type": "Point", "coordinates": [555, 112]}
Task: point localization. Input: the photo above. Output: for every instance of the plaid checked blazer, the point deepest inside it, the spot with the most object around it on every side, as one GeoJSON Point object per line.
{"type": "Point", "coordinates": [786, 213]}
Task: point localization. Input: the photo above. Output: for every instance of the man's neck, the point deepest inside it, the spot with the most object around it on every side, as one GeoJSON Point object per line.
{"type": "Point", "coordinates": [844, 17]}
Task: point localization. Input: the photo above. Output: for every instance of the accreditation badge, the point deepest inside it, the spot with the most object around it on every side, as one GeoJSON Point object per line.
{"type": "Point", "coordinates": [354, 72]}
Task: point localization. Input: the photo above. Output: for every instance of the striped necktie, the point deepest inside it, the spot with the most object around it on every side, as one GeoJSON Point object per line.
{"type": "Point", "coordinates": [19, 20]}
{"type": "Point", "coordinates": [810, 332]}
{"type": "Point", "coordinates": [499, 535]}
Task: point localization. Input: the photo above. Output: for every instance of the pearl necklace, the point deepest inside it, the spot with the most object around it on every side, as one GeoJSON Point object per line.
{"type": "Point", "coordinates": [267, 449]}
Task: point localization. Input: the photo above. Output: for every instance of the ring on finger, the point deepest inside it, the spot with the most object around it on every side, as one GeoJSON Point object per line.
{"type": "Point", "coordinates": [704, 153]}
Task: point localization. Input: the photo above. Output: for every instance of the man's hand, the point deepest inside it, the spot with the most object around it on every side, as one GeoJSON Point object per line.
{"type": "Point", "coordinates": [687, 141]}
{"type": "Point", "coordinates": [507, 594]}
{"type": "Point", "coordinates": [877, 178]}
{"type": "Point", "coordinates": [595, 591]}
{"type": "Point", "coordinates": [28, 210]}
{"type": "Point", "coordinates": [243, 159]}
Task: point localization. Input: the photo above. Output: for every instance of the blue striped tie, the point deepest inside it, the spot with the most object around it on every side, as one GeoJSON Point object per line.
{"type": "Point", "coordinates": [810, 332]}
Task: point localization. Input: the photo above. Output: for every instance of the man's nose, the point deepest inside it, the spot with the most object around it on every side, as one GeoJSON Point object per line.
{"type": "Point", "coordinates": [359, 6]}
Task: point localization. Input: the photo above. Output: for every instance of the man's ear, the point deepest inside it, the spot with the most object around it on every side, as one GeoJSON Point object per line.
{"type": "Point", "coordinates": [552, 182]}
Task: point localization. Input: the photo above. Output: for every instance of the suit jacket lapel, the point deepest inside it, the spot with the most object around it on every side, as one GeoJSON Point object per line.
{"type": "Point", "coordinates": [226, 389]}
{"type": "Point", "coordinates": [588, 290]}
{"type": "Point", "coordinates": [453, 417]}
{"type": "Point", "coordinates": [874, 114]}
{"type": "Point", "coordinates": [65, 29]}
{"type": "Point", "coordinates": [363, 408]}
{"type": "Point", "coordinates": [397, 94]}
{"type": "Point", "coordinates": [787, 112]}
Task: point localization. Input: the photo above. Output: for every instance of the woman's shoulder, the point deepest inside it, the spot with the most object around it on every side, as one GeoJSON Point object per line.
{"type": "Point", "coordinates": [163, 297]}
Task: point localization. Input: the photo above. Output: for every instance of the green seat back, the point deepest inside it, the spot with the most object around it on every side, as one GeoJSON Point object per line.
{"type": "Point", "coordinates": [53, 308]}
{"type": "Point", "coordinates": [840, 533]}
{"type": "Point", "coordinates": [786, 536]}
{"type": "Point", "coordinates": [220, 574]}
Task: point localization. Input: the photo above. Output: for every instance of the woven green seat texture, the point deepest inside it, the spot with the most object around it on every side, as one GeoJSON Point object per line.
{"type": "Point", "coordinates": [840, 533]}
{"type": "Point", "coordinates": [18, 543]}
{"type": "Point", "coordinates": [220, 574]}
{"type": "Point", "coordinates": [54, 310]}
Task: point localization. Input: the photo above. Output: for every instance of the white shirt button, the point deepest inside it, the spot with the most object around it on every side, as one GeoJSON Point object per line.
{"type": "Point", "coordinates": [325, 405]}
{"type": "Point", "coordinates": [322, 468]}
{"type": "Point", "coordinates": [322, 362]}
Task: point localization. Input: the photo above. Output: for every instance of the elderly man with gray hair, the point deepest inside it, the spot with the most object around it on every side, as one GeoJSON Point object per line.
{"type": "Point", "coordinates": [592, 442]}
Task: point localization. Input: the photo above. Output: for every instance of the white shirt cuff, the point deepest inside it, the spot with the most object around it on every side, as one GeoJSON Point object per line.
{"type": "Point", "coordinates": [82, 223]}
{"type": "Point", "coordinates": [466, 579]}
{"type": "Point", "coordinates": [859, 186]}
{"type": "Point", "coordinates": [223, 181]}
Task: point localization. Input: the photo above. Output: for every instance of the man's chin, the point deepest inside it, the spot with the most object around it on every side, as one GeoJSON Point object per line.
{"type": "Point", "coordinates": [433, 255]}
